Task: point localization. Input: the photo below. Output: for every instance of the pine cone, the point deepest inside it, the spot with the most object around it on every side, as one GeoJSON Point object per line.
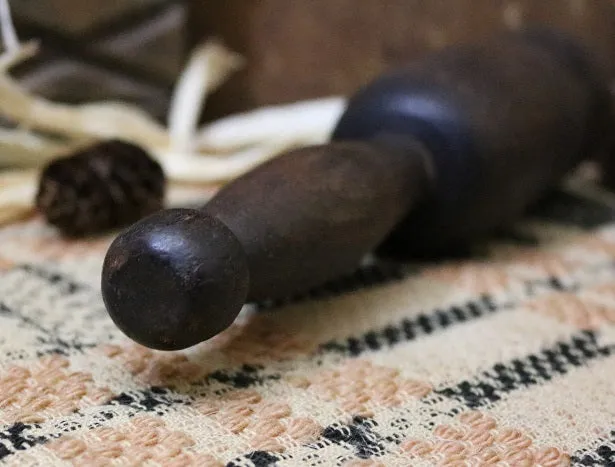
{"type": "Point", "coordinates": [110, 184]}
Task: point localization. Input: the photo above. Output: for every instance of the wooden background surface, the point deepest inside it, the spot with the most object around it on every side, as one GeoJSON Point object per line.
{"type": "Point", "coordinates": [299, 49]}
{"type": "Point", "coordinates": [134, 49]}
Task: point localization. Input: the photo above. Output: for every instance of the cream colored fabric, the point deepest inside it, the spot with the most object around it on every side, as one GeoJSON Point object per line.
{"type": "Point", "coordinates": [504, 359]}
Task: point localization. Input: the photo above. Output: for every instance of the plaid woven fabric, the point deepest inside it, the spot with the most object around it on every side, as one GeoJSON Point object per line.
{"type": "Point", "coordinates": [505, 359]}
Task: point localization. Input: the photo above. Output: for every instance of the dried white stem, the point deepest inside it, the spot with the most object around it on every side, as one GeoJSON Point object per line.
{"type": "Point", "coordinates": [311, 121]}
{"type": "Point", "coordinates": [191, 168]}
{"type": "Point", "coordinates": [13, 57]}
{"type": "Point", "coordinates": [209, 65]}
{"type": "Point", "coordinates": [96, 120]}
{"type": "Point", "coordinates": [17, 192]}
{"type": "Point", "coordinates": [21, 148]}
{"type": "Point", "coordinates": [14, 213]}
{"type": "Point", "coordinates": [9, 178]}
{"type": "Point", "coordinates": [9, 36]}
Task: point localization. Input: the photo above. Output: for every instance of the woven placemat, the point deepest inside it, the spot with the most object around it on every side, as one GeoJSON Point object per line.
{"type": "Point", "coordinates": [504, 359]}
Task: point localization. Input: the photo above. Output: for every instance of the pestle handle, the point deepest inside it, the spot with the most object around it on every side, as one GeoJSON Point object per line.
{"type": "Point", "coordinates": [423, 159]}
{"type": "Point", "coordinates": [505, 120]}
{"type": "Point", "coordinates": [181, 276]}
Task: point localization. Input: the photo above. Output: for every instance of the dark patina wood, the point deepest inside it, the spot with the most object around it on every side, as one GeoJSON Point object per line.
{"type": "Point", "coordinates": [445, 151]}
{"type": "Point", "coordinates": [298, 49]}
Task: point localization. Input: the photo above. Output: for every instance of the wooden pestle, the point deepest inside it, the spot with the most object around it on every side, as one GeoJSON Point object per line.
{"type": "Point", "coordinates": [424, 158]}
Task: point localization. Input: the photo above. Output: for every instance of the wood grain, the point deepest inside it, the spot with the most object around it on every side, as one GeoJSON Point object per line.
{"type": "Point", "coordinates": [298, 49]}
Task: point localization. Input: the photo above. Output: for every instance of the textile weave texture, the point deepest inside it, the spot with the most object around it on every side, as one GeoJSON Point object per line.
{"type": "Point", "coordinates": [506, 358]}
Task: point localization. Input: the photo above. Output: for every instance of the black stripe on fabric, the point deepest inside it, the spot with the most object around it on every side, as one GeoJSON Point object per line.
{"type": "Point", "coordinates": [48, 340]}
{"type": "Point", "coordinates": [358, 436]}
{"type": "Point", "coordinates": [409, 329]}
{"type": "Point", "coordinates": [603, 455]}
{"type": "Point", "coordinates": [55, 278]}
{"type": "Point", "coordinates": [148, 400]}
{"type": "Point", "coordinates": [534, 369]}
{"type": "Point", "coordinates": [362, 439]}
{"type": "Point", "coordinates": [79, 301]}
{"type": "Point", "coordinates": [246, 376]}
{"type": "Point", "coordinates": [255, 459]}
{"type": "Point", "coordinates": [13, 439]}
{"type": "Point", "coordinates": [361, 436]}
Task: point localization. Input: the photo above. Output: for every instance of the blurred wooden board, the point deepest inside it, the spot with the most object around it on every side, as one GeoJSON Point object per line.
{"type": "Point", "coordinates": [300, 49]}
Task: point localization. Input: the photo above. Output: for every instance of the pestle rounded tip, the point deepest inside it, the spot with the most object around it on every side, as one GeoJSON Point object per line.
{"type": "Point", "coordinates": [174, 279]}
